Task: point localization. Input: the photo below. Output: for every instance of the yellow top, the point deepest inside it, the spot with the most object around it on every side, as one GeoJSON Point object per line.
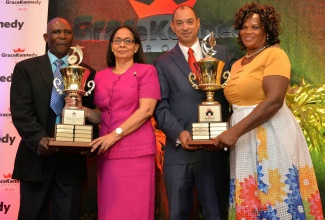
{"type": "Point", "coordinates": [245, 85]}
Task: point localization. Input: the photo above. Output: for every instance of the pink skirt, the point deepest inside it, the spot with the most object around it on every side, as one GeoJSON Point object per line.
{"type": "Point", "coordinates": [126, 188]}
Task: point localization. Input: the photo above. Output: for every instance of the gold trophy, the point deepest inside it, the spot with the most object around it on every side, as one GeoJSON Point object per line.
{"type": "Point", "coordinates": [210, 77]}
{"type": "Point", "coordinates": [72, 134]}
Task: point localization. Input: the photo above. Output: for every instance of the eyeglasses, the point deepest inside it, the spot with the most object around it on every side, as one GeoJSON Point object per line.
{"type": "Point", "coordinates": [127, 41]}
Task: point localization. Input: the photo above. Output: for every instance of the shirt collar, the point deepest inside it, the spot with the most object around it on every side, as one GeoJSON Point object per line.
{"type": "Point", "coordinates": [53, 58]}
{"type": "Point", "coordinates": [196, 48]}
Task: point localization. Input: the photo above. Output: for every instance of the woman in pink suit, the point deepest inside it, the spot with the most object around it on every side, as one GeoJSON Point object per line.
{"type": "Point", "coordinates": [126, 94]}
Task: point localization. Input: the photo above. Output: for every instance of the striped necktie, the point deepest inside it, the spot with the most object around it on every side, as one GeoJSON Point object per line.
{"type": "Point", "coordinates": [57, 100]}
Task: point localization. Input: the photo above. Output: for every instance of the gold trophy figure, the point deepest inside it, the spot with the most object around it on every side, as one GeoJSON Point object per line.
{"type": "Point", "coordinates": [74, 77]}
{"type": "Point", "coordinates": [210, 77]}
{"type": "Point", "coordinates": [73, 135]}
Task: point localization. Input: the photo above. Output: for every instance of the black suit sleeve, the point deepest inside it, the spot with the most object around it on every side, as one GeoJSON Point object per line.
{"type": "Point", "coordinates": [22, 104]}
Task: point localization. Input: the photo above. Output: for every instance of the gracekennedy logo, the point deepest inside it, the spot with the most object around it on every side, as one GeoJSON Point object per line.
{"type": "Point", "coordinates": [23, 2]}
{"type": "Point", "coordinates": [6, 115]}
{"type": "Point", "coordinates": [6, 178]}
{"type": "Point", "coordinates": [7, 183]}
{"type": "Point", "coordinates": [18, 54]}
{"type": "Point", "coordinates": [4, 207]}
{"type": "Point", "coordinates": [7, 139]}
{"type": "Point", "coordinates": [153, 25]}
{"type": "Point", "coordinates": [11, 24]}
{"type": "Point", "coordinates": [157, 7]}
{"type": "Point", "coordinates": [5, 79]}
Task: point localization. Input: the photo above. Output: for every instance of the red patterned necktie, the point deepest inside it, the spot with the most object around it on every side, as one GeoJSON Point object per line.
{"type": "Point", "coordinates": [191, 62]}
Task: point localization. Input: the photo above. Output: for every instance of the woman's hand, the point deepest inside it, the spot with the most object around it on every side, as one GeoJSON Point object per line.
{"type": "Point", "coordinates": [102, 144]}
{"type": "Point", "coordinates": [72, 101]}
{"type": "Point", "coordinates": [225, 140]}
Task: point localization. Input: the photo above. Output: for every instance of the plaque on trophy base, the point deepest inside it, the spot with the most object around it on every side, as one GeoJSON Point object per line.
{"type": "Point", "coordinates": [73, 136]}
{"type": "Point", "coordinates": [206, 130]}
{"type": "Point", "coordinates": [73, 116]}
{"type": "Point", "coordinates": [73, 133]}
{"type": "Point", "coordinates": [209, 80]}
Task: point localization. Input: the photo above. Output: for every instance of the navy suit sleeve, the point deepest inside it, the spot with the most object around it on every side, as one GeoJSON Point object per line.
{"type": "Point", "coordinates": [166, 121]}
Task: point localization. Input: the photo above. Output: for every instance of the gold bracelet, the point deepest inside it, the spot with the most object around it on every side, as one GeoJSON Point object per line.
{"type": "Point", "coordinates": [88, 114]}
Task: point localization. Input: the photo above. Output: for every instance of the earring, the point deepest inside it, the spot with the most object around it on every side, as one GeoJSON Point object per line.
{"type": "Point", "coordinates": [135, 51]}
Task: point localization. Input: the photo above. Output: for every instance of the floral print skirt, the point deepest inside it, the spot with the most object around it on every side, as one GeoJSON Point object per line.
{"type": "Point", "coordinates": [272, 175]}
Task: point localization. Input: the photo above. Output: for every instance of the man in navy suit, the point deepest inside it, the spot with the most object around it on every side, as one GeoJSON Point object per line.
{"type": "Point", "coordinates": [50, 183]}
{"type": "Point", "coordinates": [186, 167]}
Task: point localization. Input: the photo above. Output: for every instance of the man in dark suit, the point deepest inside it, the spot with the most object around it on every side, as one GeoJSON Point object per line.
{"type": "Point", "coordinates": [188, 166]}
{"type": "Point", "coordinates": [50, 182]}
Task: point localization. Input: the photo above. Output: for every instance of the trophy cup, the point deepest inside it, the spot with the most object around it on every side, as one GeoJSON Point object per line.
{"type": "Point", "coordinates": [72, 134]}
{"type": "Point", "coordinates": [209, 80]}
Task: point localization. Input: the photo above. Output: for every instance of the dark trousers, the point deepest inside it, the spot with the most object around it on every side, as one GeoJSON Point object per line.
{"type": "Point", "coordinates": [49, 200]}
{"type": "Point", "coordinates": [211, 178]}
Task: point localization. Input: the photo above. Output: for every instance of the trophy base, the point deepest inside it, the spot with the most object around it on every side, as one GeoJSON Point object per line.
{"type": "Point", "coordinates": [71, 147]}
{"type": "Point", "coordinates": [72, 138]}
{"type": "Point", "coordinates": [200, 142]}
{"type": "Point", "coordinates": [203, 144]}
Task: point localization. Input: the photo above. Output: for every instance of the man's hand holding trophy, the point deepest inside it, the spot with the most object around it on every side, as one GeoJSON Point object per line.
{"type": "Point", "coordinates": [72, 134]}
{"type": "Point", "coordinates": [209, 79]}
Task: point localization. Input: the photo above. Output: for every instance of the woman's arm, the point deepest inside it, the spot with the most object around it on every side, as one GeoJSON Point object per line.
{"type": "Point", "coordinates": [92, 115]}
{"type": "Point", "coordinates": [142, 114]}
{"type": "Point", "coordinates": [275, 88]}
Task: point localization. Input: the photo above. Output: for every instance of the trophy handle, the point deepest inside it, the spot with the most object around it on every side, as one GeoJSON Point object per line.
{"type": "Point", "coordinates": [90, 84]}
{"type": "Point", "coordinates": [56, 83]}
{"type": "Point", "coordinates": [191, 78]}
{"type": "Point", "coordinates": [226, 76]}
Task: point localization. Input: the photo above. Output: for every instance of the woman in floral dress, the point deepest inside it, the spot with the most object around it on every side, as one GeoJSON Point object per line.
{"type": "Point", "coordinates": [272, 175]}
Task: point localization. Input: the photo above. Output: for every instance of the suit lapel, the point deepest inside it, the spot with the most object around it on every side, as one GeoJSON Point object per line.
{"type": "Point", "coordinates": [180, 61]}
{"type": "Point", "coordinates": [45, 70]}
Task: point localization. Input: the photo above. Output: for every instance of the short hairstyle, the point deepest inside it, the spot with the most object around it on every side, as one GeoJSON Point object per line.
{"type": "Point", "coordinates": [182, 7]}
{"type": "Point", "coordinates": [138, 57]}
{"type": "Point", "coordinates": [270, 21]}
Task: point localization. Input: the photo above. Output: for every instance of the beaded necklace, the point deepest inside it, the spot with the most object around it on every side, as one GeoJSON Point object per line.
{"type": "Point", "coordinates": [255, 53]}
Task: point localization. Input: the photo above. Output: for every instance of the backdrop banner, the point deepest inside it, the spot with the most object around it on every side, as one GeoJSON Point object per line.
{"type": "Point", "coordinates": [303, 26]}
{"type": "Point", "coordinates": [22, 25]}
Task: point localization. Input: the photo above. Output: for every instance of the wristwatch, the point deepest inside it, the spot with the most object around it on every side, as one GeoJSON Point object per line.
{"type": "Point", "coordinates": [119, 132]}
